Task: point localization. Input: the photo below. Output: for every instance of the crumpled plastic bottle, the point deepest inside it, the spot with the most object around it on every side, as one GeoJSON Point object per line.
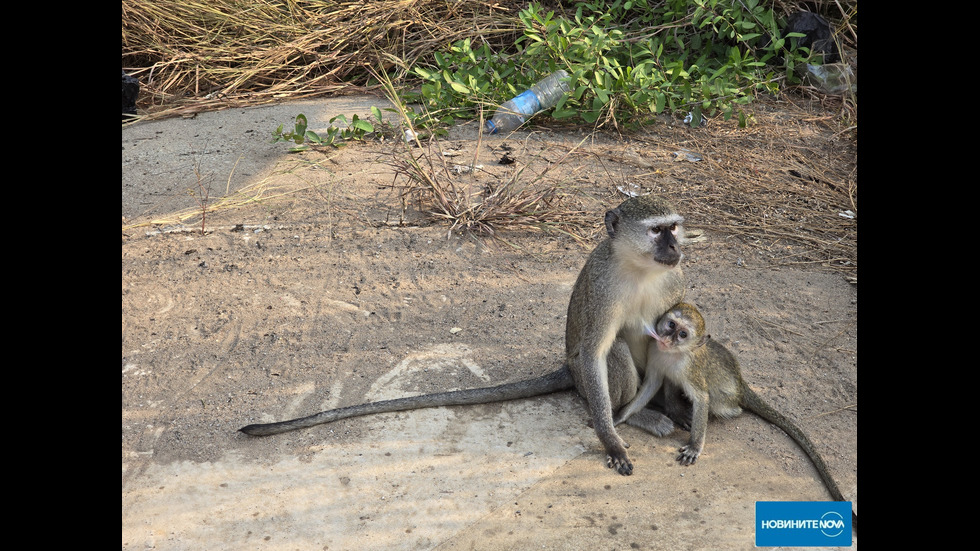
{"type": "Point", "coordinates": [543, 95]}
{"type": "Point", "coordinates": [832, 78]}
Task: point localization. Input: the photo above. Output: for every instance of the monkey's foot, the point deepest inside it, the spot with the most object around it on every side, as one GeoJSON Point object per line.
{"type": "Point", "coordinates": [681, 417]}
{"type": "Point", "coordinates": [652, 421]}
{"type": "Point", "coordinates": [620, 462]}
{"type": "Point", "coordinates": [689, 454]}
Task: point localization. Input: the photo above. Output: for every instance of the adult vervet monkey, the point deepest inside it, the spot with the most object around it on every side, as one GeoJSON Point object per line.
{"type": "Point", "coordinates": [631, 277]}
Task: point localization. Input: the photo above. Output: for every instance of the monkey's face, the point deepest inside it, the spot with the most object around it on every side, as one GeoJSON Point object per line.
{"type": "Point", "coordinates": [663, 244]}
{"type": "Point", "coordinates": [652, 240]}
{"type": "Point", "coordinates": [668, 333]}
{"type": "Point", "coordinates": [677, 332]}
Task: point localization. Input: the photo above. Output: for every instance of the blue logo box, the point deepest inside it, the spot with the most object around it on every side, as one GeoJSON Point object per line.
{"type": "Point", "coordinates": [803, 523]}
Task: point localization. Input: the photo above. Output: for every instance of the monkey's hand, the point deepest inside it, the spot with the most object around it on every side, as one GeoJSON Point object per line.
{"type": "Point", "coordinates": [689, 454]}
{"type": "Point", "coordinates": [620, 462]}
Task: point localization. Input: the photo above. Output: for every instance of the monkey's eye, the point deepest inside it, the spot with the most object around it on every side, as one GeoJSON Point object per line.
{"type": "Point", "coordinates": [673, 228]}
{"type": "Point", "coordinates": [671, 324]}
{"type": "Point", "coordinates": [683, 334]}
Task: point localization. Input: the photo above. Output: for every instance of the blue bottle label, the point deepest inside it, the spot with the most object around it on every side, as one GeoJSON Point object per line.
{"type": "Point", "coordinates": [527, 103]}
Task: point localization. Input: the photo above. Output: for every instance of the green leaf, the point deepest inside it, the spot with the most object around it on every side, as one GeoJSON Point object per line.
{"type": "Point", "coordinates": [313, 137]}
{"type": "Point", "coordinates": [459, 87]}
{"type": "Point", "coordinates": [300, 125]}
{"type": "Point", "coordinates": [363, 125]}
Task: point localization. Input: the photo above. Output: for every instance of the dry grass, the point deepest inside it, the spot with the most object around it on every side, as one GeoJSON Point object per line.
{"type": "Point", "coordinates": [197, 55]}
{"type": "Point", "coordinates": [787, 184]}
{"type": "Point", "coordinates": [521, 201]}
{"type": "Point", "coordinates": [201, 55]}
{"type": "Point", "coordinates": [447, 194]}
{"type": "Point", "coordinates": [768, 184]}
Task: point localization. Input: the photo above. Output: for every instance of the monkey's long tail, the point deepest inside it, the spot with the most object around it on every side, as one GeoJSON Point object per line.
{"type": "Point", "coordinates": [560, 379]}
{"type": "Point", "coordinates": [760, 407]}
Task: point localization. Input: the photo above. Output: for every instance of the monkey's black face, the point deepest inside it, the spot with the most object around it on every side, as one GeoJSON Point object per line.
{"type": "Point", "coordinates": [666, 249]}
{"type": "Point", "coordinates": [645, 239]}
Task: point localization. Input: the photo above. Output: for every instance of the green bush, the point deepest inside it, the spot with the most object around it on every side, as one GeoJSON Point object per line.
{"type": "Point", "coordinates": [628, 61]}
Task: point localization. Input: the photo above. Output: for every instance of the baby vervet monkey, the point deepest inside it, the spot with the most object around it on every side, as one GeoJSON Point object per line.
{"type": "Point", "coordinates": [632, 276]}
{"type": "Point", "coordinates": [684, 359]}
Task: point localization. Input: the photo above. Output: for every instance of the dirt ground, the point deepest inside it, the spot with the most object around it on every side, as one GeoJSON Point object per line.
{"type": "Point", "coordinates": [321, 291]}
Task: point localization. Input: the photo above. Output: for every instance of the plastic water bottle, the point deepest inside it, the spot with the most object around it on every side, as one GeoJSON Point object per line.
{"type": "Point", "coordinates": [832, 78]}
{"type": "Point", "coordinates": [543, 95]}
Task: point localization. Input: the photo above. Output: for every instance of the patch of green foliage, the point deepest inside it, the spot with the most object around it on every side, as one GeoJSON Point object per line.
{"type": "Point", "coordinates": [356, 129]}
{"type": "Point", "coordinates": [628, 60]}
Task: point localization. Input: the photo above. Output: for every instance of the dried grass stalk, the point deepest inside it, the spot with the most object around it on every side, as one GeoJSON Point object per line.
{"type": "Point", "coordinates": [507, 204]}
{"type": "Point", "coordinates": [196, 55]}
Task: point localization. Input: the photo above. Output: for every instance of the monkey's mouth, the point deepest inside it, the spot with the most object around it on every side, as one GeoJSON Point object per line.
{"type": "Point", "coordinates": [662, 344]}
{"type": "Point", "coordinates": [665, 262]}
{"type": "Point", "coordinates": [652, 331]}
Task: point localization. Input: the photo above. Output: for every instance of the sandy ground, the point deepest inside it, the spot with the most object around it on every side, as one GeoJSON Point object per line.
{"type": "Point", "coordinates": [332, 296]}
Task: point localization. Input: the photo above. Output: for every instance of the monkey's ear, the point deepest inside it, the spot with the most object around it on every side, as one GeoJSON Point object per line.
{"type": "Point", "coordinates": [612, 220]}
{"type": "Point", "coordinates": [703, 340]}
